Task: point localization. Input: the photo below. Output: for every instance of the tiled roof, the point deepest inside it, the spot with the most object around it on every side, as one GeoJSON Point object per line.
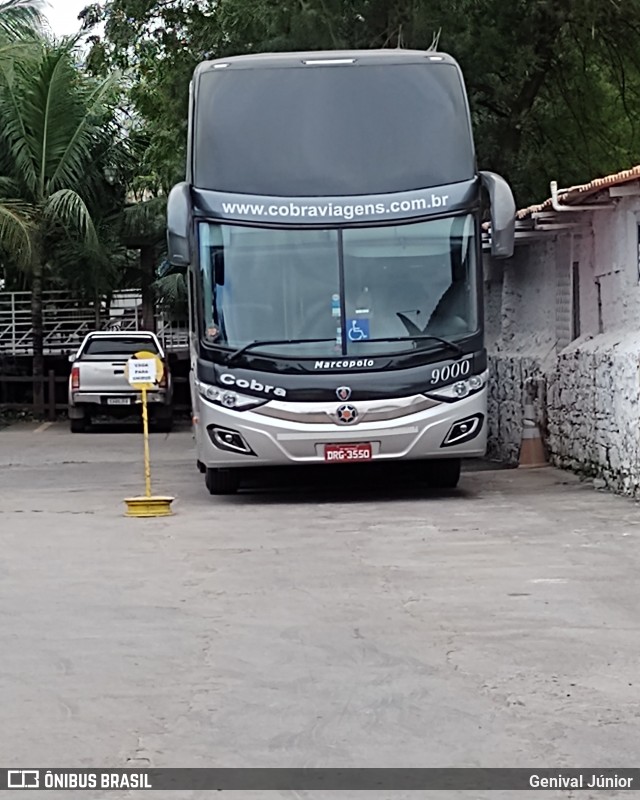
{"type": "Point", "coordinates": [577, 194]}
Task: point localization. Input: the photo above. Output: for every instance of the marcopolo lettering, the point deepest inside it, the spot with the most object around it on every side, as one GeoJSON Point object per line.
{"type": "Point", "coordinates": [253, 385]}
{"type": "Point", "coordinates": [345, 364]}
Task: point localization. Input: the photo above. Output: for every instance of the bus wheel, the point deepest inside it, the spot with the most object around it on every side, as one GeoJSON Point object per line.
{"type": "Point", "coordinates": [444, 474]}
{"type": "Point", "coordinates": [222, 481]}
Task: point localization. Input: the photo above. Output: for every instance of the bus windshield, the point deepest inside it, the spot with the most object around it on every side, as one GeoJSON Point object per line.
{"type": "Point", "coordinates": [347, 286]}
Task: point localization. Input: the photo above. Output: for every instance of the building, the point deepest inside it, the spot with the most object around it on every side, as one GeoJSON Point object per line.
{"type": "Point", "coordinates": [563, 330]}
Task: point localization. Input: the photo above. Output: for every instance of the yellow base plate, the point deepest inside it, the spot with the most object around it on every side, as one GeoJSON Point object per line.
{"type": "Point", "coordinates": [149, 506]}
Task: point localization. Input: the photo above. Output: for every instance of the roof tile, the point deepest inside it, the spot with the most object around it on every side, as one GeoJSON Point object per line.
{"type": "Point", "coordinates": [579, 193]}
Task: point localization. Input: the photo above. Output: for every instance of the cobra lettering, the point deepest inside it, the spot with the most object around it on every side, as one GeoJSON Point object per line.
{"type": "Point", "coordinates": [363, 362]}
{"type": "Point", "coordinates": [450, 371]}
{"type": "Point", "coordinates": [252, 385]}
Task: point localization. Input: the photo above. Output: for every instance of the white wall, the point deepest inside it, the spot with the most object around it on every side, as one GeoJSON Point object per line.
{"type": "Point", "coordinates": [594, 423]}
{"type": "Point", "coordinates": [520, 337]}
{"type": "Point", "coordinates": [588, 405]}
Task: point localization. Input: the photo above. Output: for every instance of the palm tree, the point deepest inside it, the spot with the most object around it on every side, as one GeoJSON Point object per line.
{"type": "Point", "coordinates": [56, 129]}
{"type": "Point", "coordinates": [20, 18]}
{"type": "Point", "coordinates": [20, 22]}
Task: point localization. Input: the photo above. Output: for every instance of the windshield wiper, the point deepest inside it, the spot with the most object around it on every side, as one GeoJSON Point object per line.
{"type": "Point", "coordinates": [451, 345]}
{"type": "Point", "coordinates": [266, 342]}
{"type": "Point", "coordinates": [242, 350]}
{"type": "Point", "coordinates": [420, 333]}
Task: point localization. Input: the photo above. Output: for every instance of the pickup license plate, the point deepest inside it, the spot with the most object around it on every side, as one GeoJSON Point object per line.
{"type": "Point", "coordinates": [342, 453]}
{"type": "Point", "coordinates": [118, 401]}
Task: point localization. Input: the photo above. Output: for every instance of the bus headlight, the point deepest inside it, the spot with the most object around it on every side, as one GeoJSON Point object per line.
{"type": "Point", "coordinates": [460, 389]}
{"type": "Point", "coordinates": [227, 398]}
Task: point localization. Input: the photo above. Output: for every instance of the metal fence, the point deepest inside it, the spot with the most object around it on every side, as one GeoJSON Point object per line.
{"type": "Point", "coordinates": [67, 320]}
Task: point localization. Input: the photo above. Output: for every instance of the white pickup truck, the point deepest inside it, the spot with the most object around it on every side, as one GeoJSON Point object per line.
{"type": "Point", "coordinates": [98, 385]}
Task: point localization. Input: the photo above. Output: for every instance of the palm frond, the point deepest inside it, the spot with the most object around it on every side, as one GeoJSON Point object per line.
{"type": "Point", "coordinates": [145, 222]}
{"type": "Point", "coordinates": [66, 208]}
{"type": "Point", "coordinates": [8, 188]}
{"type": "Point", "coordinates": [51, 104]}
{"type": "Point", "coordinates": [12, 48]}
{"type": "Point", "coordinates": [171, 294]}
{"type": "Point", "coordinates": [17, 146]}
{"type": "Point", "coordinates": [87, 271]}
{"type": "Point", "coordinates": [52, 120]}
{"type": "Point", "coordinates": [74, 144]}
{"type": "Point", "coordinates": [15, 231]}
{"type": "Point", "coordinates": [20, 18]}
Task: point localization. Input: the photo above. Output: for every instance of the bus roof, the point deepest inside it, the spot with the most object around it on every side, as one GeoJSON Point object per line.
{"type": "Point", "coordinates": [316, 57]}
{"type": "Point", "coordinates": [330, 123]}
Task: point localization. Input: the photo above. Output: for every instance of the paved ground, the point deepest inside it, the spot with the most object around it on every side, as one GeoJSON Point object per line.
{"type": "Point", "coordinates": [361, 622]}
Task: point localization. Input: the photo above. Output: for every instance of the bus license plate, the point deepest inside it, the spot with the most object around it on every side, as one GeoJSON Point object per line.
{"type": "Point", "coordinates": [119, 401]}
{"type": "Point", "coordinates": [341, 453]}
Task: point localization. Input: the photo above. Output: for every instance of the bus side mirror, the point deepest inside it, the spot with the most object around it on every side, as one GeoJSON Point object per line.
{"type": "Point", "coordinates": [179, 225]}
{"type": "Point", "coordinates": [503, 214]}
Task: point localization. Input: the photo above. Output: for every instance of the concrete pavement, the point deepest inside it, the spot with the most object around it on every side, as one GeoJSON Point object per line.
{"type": "Point", "coordinates": [332, 619]}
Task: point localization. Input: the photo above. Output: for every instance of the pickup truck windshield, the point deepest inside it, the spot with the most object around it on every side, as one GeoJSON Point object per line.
{"type": "Point", "coordinates": [119, 346]}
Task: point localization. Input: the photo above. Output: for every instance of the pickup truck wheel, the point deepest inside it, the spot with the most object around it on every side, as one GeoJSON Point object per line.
{"type": "Point", "coordinates": [163, 420]}
{"type": "Point", "coordinates": [222, 481]}
{"type": "Point", "coordinates": [78, 425]}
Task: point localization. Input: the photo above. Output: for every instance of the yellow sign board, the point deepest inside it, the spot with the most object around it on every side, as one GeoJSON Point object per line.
{"type": "Point", "coordinates": [144, 370]}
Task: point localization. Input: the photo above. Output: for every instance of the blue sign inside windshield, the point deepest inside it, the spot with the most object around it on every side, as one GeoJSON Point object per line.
{"type": "Point", "coordinates": [358, 330]}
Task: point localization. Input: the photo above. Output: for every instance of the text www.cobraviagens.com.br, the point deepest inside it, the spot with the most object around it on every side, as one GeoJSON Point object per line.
{"type": "Point", "coordinates": [331, 210]}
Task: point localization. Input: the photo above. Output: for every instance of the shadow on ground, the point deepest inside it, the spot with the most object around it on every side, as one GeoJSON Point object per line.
{"type": "Point", "coordinates": [353, 483]}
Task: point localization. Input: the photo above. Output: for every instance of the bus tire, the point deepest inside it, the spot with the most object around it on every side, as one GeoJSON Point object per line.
{"type": "Point", "coordinates": [445, 473]}
{"type": "Point", "coordinates": [222, 481]}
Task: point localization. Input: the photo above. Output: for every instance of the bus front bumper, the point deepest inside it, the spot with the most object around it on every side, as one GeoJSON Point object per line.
{"type": "Point", "coordinates": [227, 438]}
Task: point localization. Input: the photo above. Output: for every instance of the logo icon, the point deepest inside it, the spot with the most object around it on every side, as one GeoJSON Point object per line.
{"type": "Point", "coordinates": [358, 330]}
{"type": "Point", "coordinates": [343, 393]}
{"type": "Point", "coordinates": [23, 778]}
{"type": "Point", "coordinates": [347, 415]}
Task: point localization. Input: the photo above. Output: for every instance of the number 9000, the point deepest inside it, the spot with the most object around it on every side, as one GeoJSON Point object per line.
{"type": "Point", "coordinates": [451, 371]}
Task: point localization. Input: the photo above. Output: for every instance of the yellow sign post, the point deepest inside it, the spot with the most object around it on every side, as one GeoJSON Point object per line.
{"type": "Point", "coordinates": [144, 371]}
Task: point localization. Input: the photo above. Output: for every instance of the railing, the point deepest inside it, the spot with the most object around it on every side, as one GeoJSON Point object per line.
{"type": "Point", "coordinates": [66, 321]}
{"type": "Point", "coordinates": [49, 383]}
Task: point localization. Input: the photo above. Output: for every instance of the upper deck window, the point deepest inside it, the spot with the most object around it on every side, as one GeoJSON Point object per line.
{"type": "Point", "coordinates": [331, 130]}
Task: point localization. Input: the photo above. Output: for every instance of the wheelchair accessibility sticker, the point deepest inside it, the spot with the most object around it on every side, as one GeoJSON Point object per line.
{"type": "Point", "coordinates": [358, 330]}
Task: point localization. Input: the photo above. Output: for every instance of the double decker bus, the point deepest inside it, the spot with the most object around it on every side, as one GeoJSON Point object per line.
{"type": "Point", "coordinates": [330, 229]}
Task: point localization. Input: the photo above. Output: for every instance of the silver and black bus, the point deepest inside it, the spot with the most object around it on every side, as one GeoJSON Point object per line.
{"type": "Point", "coordinates": [330, 229]}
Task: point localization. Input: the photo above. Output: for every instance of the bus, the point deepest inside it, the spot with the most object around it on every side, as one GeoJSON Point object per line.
{"type": "Point", "coordinates": [330, 228]}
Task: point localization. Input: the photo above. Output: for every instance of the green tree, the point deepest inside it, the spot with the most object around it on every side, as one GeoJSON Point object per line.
{"type": "Point", "coordinates": [143, 229]}
{"type": "Point", "coordinates": [554, 84]}
{"type": "Point", "coordinates": [19, 20]}
{"type": "Point", "coordinates": [57, 130]}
